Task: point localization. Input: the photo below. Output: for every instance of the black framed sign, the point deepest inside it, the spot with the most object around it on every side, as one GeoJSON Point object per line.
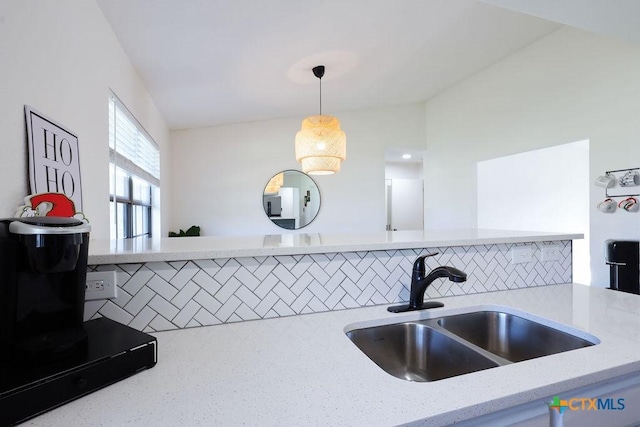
{"type": "Point", "coordinates": [54, 162]}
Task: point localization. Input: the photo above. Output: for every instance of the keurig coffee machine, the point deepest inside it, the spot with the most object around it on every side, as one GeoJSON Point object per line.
{"type": "Point", "coordinates": [43, 268]}
{"type": "Point", "coordinates": [48, 354]}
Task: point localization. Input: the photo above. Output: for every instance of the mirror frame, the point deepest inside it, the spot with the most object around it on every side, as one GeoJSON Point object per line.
{"type": "Point", "coordinates": [304, 197]}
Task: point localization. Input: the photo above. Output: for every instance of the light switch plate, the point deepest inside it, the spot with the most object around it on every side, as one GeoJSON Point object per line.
{"type": "Point", "coordinates": [101, 285]}
{"type": "Point", "coordinates": [521, 254]}
{"type": "Point", "coordinates": [551, 253]}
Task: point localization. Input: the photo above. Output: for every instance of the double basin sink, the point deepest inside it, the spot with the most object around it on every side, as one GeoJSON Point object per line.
{"type": "Point", "coordinates": [444, 347]}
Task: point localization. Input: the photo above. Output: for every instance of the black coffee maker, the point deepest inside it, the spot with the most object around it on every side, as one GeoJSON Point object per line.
{"type": "Point", "coordinates": [48, 355]}
{"type": "Point", "coordinates": [43, 267]}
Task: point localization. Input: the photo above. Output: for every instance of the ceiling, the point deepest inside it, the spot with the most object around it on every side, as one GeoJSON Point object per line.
{"type": "Point", "coordinates": [214, 62]}
{"type": "Point", "coordinates": [617, 18]}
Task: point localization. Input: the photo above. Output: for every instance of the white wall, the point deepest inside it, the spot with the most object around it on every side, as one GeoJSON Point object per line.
{"type": "Point", "coordinates": [546, 189]}
{"type": "Point", "coordinates": [61, 58]}
{"type": "Point", "coordinates": [220, 172]}
{"type": "Point", "coordinates": [569, 86]}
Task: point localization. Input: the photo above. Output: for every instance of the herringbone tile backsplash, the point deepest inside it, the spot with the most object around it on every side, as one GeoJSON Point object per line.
{"type": "Point", "coordinates": [157, 296]}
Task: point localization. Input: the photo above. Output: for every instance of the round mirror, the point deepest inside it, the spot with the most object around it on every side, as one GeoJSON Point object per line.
{"type": "Point", "coordinates": [291, 199]}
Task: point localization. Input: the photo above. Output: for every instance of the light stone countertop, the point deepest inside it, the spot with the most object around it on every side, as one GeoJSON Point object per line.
{"type": "Point", "coordinates": [193, 248]}
{"type": "Point", "coordinates": [303, 370]}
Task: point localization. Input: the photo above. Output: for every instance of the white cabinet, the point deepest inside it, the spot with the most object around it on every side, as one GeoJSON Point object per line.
{"type": "Point", "coordinates": [612, 410]}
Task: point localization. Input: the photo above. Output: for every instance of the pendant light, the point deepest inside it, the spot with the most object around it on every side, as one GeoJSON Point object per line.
{"type": "Point", "coordinates": [321, 146]}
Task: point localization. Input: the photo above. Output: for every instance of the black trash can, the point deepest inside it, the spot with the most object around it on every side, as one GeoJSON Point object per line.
{"type": "Point", "coordinates": [623, 258]}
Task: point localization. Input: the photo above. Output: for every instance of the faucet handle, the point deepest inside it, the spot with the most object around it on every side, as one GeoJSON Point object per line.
{"type": "Point", "coordinates": [418, 265]}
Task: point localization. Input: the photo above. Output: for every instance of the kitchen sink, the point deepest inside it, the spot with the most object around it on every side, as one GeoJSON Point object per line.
{"type": "Point", "coordinates": [416, 352]}
{"type": "Point", "coordinates": [447, 346]}
{"type": "Point", "coordinates": [509, 336]}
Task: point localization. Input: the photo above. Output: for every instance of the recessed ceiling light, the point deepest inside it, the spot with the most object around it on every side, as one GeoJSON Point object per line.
{"type": "Point", "coordinates": [406, 156]}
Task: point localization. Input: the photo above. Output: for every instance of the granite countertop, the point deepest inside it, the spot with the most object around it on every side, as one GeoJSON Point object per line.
{"type": "Point", "coordinates": [303, 370]}
{"type": "Point", "coordinates": [188, 248]}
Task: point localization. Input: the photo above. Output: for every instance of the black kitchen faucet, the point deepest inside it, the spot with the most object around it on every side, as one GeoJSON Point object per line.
{"type": "Point", "coordinates": [420, 283]}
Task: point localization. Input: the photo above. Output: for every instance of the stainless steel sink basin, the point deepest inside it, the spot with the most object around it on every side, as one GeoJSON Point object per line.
{"type": "Point", "coordinates": [416, 352]}
{"type": "Point", "coordinates": [444, 347]}
{"type": "Point", "coordinates": [509, 336]}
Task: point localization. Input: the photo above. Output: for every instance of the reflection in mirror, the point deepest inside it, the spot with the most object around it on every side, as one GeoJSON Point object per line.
{"type": "Point", "coordinates": [291, 240]}
{"type": "Point", "coordinates": [291, 199]}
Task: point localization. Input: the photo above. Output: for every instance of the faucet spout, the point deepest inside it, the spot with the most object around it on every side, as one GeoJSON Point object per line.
{"type": "Point", "coordinates": [420, 285]}
{"type": "Point", "coordinates": [420, 282]}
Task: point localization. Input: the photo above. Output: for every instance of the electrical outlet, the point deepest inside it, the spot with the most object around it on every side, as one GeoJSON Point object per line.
{"type": "Point", "coordinates": [551, 253]}
{"type": "Point", "coordinates": [101, 285]}
{"type": "Point", "coordinates": [521, 254]}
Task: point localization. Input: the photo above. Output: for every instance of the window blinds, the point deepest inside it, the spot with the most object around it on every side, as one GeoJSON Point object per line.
{"type": "Point", "coordinates": [130, 147]}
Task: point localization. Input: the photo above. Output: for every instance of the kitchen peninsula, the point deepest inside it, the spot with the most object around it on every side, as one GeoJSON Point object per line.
{"type": "Point", "coordinates": [279, 355]}
{"type": "Point", "coordinates": [186, 282]}
{"type": "Point", "coordinates": [303, 370]}
{"type": "Point", "coordinates": [183, 282]}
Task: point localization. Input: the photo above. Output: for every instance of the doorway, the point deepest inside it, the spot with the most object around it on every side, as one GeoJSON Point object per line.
{"type": "Point", "coordinates": [404, 194]}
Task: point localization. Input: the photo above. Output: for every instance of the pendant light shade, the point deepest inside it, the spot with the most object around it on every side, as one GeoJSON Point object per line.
{"type": "Point", "coordinates": [274, 184]}
{"type": "Point", "coordinates": [321, 146]}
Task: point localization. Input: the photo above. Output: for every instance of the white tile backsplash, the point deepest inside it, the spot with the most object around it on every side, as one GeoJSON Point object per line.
{"type": "Point", "coordinates": [157, 296]}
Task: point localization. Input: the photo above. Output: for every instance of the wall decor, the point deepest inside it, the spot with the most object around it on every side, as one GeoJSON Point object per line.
{"type": "Point", "coordinates": [49, 204]}
{"type": "Point", "coordinates": [291, 199]}
{"type": "Point", "coordinates": [54, 162]}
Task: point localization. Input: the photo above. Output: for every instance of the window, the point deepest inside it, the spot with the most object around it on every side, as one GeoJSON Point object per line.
{"type": "Point", "coordinates": [134, 173]}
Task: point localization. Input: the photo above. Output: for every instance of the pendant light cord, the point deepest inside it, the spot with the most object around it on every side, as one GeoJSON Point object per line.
{"type": "Point", "coordinates": [318, 71]}
{"type": "Point", "coordinates": [320, 95]}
